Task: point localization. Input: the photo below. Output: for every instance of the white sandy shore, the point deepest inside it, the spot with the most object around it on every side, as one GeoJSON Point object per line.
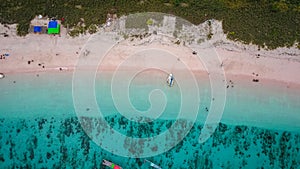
{"type": "Point", "coordinates": [35, 53]}
{"type": "Point", "coordinates": [50, 53]}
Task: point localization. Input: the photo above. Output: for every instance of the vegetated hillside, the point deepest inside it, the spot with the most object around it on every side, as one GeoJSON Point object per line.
{"type": "Point", "coordinates": [273, 23]}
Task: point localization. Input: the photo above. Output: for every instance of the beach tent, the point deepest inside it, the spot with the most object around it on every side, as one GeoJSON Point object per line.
{"type": "Point", "coordinates": [52, 24]}
{"type": "Point", "coordinates": [53, 27]}
{"type": "Point", "coordinates": [37, 29]}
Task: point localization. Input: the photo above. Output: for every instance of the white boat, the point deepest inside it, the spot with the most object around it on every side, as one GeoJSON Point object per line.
{"type": "Point", "coordinates": [170, 80]}
{"type": "Point", "coordinates": [2, 75]}
{"type": "Point", "coordinates": [152, 164]}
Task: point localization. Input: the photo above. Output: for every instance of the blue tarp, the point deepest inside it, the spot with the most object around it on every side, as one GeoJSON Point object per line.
{"type": "Point", "coordinates": [37, 29]}
{"type": "Point", "coordinates": [52, 24]}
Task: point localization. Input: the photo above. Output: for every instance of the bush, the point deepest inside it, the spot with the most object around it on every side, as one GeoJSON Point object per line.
{"type": "Point", "coordinates": [272, 23]}
{"type": "Point", "coordinates": [22, 29]}
{"type": "Point", "coordinates": [92, 29]}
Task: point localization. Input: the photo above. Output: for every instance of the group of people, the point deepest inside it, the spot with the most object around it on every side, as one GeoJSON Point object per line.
{"type": "Point", "coordinates": [3, 56]}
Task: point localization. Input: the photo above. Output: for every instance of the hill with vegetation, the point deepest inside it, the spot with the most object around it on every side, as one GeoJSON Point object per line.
{"type": "Point", "coordinates": [271, 23]}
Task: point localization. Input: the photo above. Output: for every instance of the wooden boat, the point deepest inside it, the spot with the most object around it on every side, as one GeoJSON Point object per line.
{"type": "Point", "coordinates": [110, 164]}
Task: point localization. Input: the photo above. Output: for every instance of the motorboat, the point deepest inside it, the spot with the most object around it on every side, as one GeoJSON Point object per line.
{"type": "Point", "coordinates": [170, 80]}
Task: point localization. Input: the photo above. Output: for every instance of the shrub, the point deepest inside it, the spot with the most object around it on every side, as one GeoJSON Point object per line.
{"type": "Point", "coordinates": [272, 23]}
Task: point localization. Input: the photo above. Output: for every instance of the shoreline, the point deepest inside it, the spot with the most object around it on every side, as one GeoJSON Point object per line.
{"type": "Point", "coordinates": [67, 54]}
{"type": "Point", "coordinates": [237, 77]}
{"type": "Point", "coordinates": [241, 63]}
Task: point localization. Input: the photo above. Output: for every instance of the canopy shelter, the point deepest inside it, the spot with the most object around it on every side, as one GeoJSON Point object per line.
{"type": "Point", "coordinates": [39, 25]}
{"type": "Point", "coordinates": [53, 27]}
{"type": "Point", "coordinates": [37, 29]}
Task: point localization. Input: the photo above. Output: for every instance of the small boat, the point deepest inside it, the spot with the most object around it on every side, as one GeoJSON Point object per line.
{"type": "Point", "coordinates": [110, 164]}
{"type": "Point", "coordinates": [152, 164]}
{"type": "Point", "coordinates": [170, 80]}
{"type": "Point", "coordinates": [2, 76]}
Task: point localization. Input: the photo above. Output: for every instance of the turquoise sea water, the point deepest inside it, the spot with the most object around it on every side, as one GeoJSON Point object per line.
{"type": "Point", "coordinates": [39, 127]}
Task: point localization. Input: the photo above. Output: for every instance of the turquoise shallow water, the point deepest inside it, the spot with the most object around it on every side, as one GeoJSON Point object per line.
{"type": "Point", "coordinates": [39, 127]}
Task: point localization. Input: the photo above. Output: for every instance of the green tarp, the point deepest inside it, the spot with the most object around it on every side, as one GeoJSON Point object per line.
{"type": "Point", "coordinates": [54, 30]}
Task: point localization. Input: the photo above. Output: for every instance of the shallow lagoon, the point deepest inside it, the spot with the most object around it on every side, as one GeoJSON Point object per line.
{"type": "Point", "coordinates": [39, 128]}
